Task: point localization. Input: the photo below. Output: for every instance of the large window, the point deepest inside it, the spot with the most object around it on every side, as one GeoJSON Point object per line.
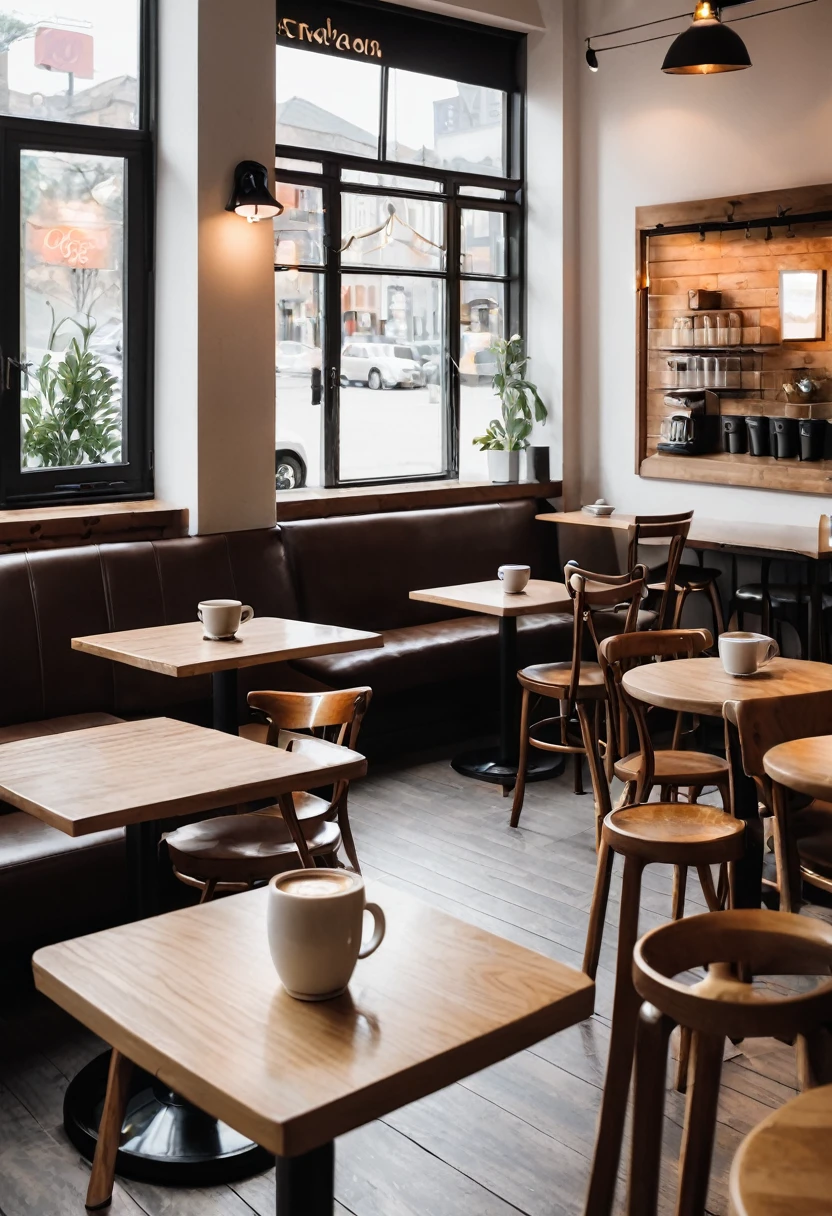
{"type": "Point", "coordinates": [75, 251]}
{"type": "Point", "coordinates": [399, 251]}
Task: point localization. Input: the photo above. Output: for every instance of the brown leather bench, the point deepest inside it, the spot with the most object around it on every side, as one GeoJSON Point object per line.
{"type": "Point", "coordinates": [434, 679]}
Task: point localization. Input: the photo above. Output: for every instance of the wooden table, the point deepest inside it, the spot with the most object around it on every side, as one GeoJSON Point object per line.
{"type": "Point", "coordinates": [702, 686]}
{"type": "Point", "coordinates": [784, 1165]}
{"type": "Point", "coordinates": [797, 542]}
{"type": "Point", "coordinates": [182, 650]}
{"type": "Point", "coordinates": [132, 775]}
{"type": "Point", "coordinates": [499, 765]}
{"type": "Point", "coordinates": [193, 999]}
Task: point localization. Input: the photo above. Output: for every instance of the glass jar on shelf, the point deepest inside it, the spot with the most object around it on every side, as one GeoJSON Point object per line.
{"type": "Point", "coordinates": [720, 373]}
{"type": "Point", "coordinates": [734, 329]}
{"type": "Point", "coordinates": [733, 372]}
{"type": "Point", "coordinates": [708, 376]}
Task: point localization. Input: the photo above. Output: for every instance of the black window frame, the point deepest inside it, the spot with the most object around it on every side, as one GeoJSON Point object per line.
{"type": "Point", "coordinates": [451, 195]}
{"type": "Point", "coordinates": [133, 477]}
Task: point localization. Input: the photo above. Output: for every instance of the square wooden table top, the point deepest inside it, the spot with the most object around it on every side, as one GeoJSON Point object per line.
{"type": "Point", "coordinates": [805, 540]}
{"type": "Point", "coordinates": [492, 598]}
{"type": "Point", "coordinates": [192, 997]}
{"type": "Point", "coordinates": [109, 776]}
{"type": "Point", "coordinates": [182, 650]}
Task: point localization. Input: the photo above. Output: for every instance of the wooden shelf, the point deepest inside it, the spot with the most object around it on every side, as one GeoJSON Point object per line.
{"type": "Point", "coordinates": [742, 469]}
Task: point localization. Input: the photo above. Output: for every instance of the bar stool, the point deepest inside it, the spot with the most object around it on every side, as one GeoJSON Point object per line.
{"type": "Point", "coordinates": [678, 834]}
{"type": "Point", "coordinates": [784, 1164]}
{"type": "Point", "coordinates": [751, 941]}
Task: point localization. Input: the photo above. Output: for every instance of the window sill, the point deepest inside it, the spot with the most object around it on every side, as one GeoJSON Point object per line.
{"type": "Point", "coordinates": [54, 527]}
{"type": "Point", "coordinates": [317, 503]}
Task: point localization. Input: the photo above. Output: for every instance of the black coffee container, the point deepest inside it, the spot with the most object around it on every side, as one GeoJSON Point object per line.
{"type": "Point", "coordinates": [758, 436]}
{"type": "Point", "coordinates": [734, 433]}
{"type": "Point", "coordinates": [813, 435]}
{"type": "Point", "coordinates": [783, 438]}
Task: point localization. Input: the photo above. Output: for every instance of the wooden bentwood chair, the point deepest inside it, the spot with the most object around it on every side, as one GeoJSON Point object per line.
{"type": "Point", "coordinates": [235, 852]}
{"type": "Point", "coordinates": [723, 1005]}
{"type": "Point", "coordinates": [671, 578]}
{"type": "Point", "coordinates": [802, 828]}
{"type": "Point", "coordinates": [576, 683]}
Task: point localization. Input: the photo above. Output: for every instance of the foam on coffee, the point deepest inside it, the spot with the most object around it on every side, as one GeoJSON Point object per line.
{"type": "Point", "coordinates": [312, 886]}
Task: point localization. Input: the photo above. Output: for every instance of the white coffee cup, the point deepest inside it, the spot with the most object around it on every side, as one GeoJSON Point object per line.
{"type": "Point", "coordinates": [514, 578]}
{"type": "Point", "coordinates": [315, 923]}
{"type": "Point", "coordinates": [743, 653]}
{"type": "Point", "coordinates": [222, 618]}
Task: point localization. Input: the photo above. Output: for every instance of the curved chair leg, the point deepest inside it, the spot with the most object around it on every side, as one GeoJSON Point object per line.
{"type": "Point", "coordinates": [700, 1124]}
{"type": "Point", "coordinates": [648, 1110]}
{"type": "Point", "coordinates": [680, 1082]}
{"type": "Point", "coordinates": [520, 784]}
{"type": "Point", "coordinates": [600, 788]}
{"type": "Point", "coordinates": [597, 913]}
{"type": "Point", "coordinates": [577, 768]}
{"type": "Point", "coordinates": [716, 604]}
{"type": "Point", "coordinates": [706, 881]}
{"type": "Point", "coordinates": [694, 792]}
{"type": "Point", "coordinates": [208, 891]}
{"type": "Point", "coordinates": [102, 1178]}
{"type": "Point", "coordinates": [347, 836]}
{"type": "Point", "coordinates": [627, 796]}
{"type": "Point", "coordinates": [626, 1004]}
{"type": "Point", "coordinates": [680, 882]}
{"type": "Point", "coordinates": [680, 603]}
{"type": "Point", "coordinates": [724, 788]}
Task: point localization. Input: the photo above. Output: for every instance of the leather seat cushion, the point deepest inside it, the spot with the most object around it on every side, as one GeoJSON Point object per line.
{"type": "Point", "coordinates": [779, 593]}
{"type": "Point", "coordinates": [57, 886]}
{"type": "Point", "coordinates": [440, 652]}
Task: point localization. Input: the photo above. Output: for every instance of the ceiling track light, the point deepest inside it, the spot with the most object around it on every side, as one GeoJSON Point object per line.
{"type": "Point", "coordinates": [707, 47]}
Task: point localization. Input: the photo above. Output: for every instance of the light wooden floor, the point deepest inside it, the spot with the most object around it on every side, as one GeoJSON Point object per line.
{"type": "Point", "coordinates": [515, 1139]}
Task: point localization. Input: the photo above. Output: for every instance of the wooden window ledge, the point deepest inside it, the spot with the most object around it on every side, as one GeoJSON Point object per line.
{"type": "Point", "coordinates": [317, 503]}
{"type": "Point", "coordinates": [55, 527]}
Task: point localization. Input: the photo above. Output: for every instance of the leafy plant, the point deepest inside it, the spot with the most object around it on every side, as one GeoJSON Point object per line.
{"type": "Point", "coordinates": [73, 415]}
{"type": "Point", "coordinates": [519, 398]}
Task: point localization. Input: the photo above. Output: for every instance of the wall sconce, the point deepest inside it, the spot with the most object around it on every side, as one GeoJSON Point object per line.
{"type": "Point", "coordinates": [251, 196]}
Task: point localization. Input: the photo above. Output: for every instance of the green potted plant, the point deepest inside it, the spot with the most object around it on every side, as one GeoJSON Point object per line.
{"type": "Point", "coordinates": [71, 412]}
{"type": "Point", "coordinates": [521, 406]}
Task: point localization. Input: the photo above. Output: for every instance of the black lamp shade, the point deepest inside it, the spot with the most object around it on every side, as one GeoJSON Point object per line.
{"type": "Point", "coordinates": [591, 59]}
{"type": "Point", "coordinates": [251, 196]}
{"type": "Point", "coordinates": [705, 47]}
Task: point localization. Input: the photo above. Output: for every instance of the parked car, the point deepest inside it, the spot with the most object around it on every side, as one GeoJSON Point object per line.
{"type": "Point", "coordinates": [296, 358]}
{"type": "Point", "coordinates": [379, 365]}
{"type": "Point", "coordinates": [290, 462]}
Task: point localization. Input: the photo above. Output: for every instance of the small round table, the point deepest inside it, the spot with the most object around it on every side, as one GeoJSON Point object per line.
{"type": "Point", "coordinates": [784, 1165]}
{"type": "Point", "coordinates": [702, 686]}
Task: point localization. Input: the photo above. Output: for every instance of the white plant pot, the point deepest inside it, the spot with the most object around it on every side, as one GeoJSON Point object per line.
{"type": "Point", "coordinates": [503, 467]}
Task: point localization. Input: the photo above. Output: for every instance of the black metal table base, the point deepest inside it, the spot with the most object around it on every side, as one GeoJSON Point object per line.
{"type": "Point", "coordinates": [306, 1185]}
{"type": "Point", "coordinates": [165, 1140]}
{"type": "Point", "coordinates": [485, 764]}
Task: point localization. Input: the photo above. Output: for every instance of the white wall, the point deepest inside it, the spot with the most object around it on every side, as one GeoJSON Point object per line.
{"type": "Point", "coordinates": [215, 423]}
{"type": "Point", "coordinates": [649, 138]}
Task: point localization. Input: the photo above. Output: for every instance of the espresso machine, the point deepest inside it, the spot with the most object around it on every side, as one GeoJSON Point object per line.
{"type": "Point", "coordinates": [693, 427]}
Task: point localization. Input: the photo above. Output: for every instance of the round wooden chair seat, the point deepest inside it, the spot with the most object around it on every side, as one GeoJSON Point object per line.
{"type": "Point", "coordinates": [680, 834]}
{"type": "Point", "coordinates": [784, 1165]}
{"type": "Point", "coordinates": [307, 807]}
{"type": "Point", "coordinates": [676, 768]}
{"type": "Point", "coordinates": [243, 848]}
{"type": "Point", "coordinates": [550, 679]}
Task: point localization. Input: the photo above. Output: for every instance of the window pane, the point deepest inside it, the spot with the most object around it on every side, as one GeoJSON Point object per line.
{"type": "Point", "coordinates": [377, 230]}
{"type": "Point", "coordinates": [328, 103]}
{"type": "Point", "coordinates": [483, 242]}
{"type": "Point", "coordinates": [299, 336]}
{"type": "Point", "coordinates": [365, 177]}
{"type": "Point", "coordinates": [79, 67]}
{"type": "Point", "coordinates": [299, 231]}
{"type": "Point", "coordinates": [298, 166]}
{"type": "Point", "coordinates": [482, 192]}
{"type": "Point", "coordinates": [72, 246]}
{"type": "Point", "coordinates": [392, 377]}
{"type": "Point", "coordinates": [482, 319]}
{"type": "Point", "coordinates": [444, 124]}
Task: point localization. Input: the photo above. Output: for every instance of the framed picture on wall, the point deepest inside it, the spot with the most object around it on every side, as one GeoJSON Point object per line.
{"type": "Point", "coordinates": [801, 305]}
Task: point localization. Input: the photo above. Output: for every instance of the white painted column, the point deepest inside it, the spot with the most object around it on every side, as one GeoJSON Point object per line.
{"type": "Point", "coordinates": [214, 406]}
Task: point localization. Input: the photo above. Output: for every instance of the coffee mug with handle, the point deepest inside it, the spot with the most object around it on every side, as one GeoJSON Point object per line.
{"type": "Point", "coordinates": [222, 618]}
{"type": "Point", "coordinates": [742, 654]}
{"type": "Point", "coordinates": [315, 924]}
{"type": "Point", "coordinates": [514, 578]}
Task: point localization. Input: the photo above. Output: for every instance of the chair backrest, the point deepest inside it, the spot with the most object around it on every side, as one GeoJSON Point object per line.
{"type": "Point", "coordinates": [590, 591]}
{"type": "Point", "coordinates": [335, 716]}
{"type": "Point", "coordinates": [670, 528]}
{"type": "Point", "coordinates": [617, 655]}
{"type": "Point", "coordinates": [763, 723]}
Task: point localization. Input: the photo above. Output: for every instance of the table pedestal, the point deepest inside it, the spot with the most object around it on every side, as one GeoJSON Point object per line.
{"type": "Point", "coordinates": [306, 1185]}
{"type": "Point", "coordinates": [164, 1139]}
{"type": "Point", "coordinates": [498, 765]}
{"type": "Point", "coordinates": [225, 701]}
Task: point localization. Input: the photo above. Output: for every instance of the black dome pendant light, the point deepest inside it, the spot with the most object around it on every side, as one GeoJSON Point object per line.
{"type": "Point", "coordinates": [706, 46]}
